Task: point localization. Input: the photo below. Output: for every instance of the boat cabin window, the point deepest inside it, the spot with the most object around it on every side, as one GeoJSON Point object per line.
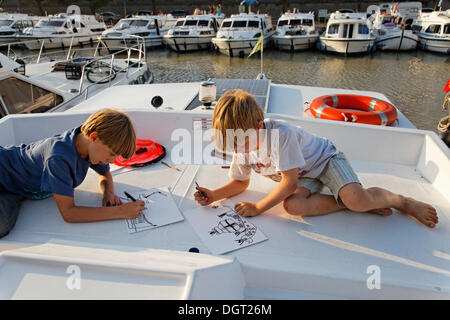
{"type": "Point", "coordinates": [179, 23]}
{"type": "Point", "coordinates": [239, 24]}
{"type": "Point", "coordinates": [5, 23]}
{"type": "Point", "coordinates": [307, 22]}
{"type": "Point", "coordinates": [151, 25]}
{"type": "Point", "coordinates": [447, 29]}
{"type": "Point", "coordinates": [17, 25]}
{"type": "Point", "coordinates": [138, 23]}
{"type": "Point", "coordinates": [363, 29]}
{"type": "Point", "coordinates": [42, 23]}
{"type": "Point", "coordinates": [283, 23]}
{"type": "Point", "coordinates": [333, 29]}
{"type": "Point", "coordinates": [191, 22]}
{"type": "Point", "coordinates": [226, 24]}
{"type": "Point", "coordinates": [416, 28]}
{"type": "Point", "coordinates": [253, 24]}
{"type": "Point", "coordinates": [23, 97]}
{"type": "Point", "coordinates": [55, 23]}
{"type": "Point", "coordinates": [434, 28]}
{"type": "Point", "coordinates": [203, 23]}
{"type": "Point", "coordinates": [295, 22]}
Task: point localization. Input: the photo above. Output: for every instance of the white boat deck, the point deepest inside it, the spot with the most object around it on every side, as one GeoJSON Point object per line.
{"type": "Point", "coordinates": [320, 257]}
{"type": "Point", "coordinates": [291, 100]}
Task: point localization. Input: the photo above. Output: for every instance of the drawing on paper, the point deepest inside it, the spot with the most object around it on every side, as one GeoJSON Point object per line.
{"type": "Point", "coordinates": [232, 222]}
{"type": "Point", "coordinates": [222, 229]}
{"type": "Point", "coordinates": [160, 209]}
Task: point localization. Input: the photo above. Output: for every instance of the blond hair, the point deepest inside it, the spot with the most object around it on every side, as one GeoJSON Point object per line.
{"type": "Point", "coordinates": [235, 110]}
{"type": "Point", "coordinates": [114, 129]}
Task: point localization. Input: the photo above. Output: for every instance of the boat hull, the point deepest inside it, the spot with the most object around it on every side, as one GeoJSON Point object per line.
{"type": "Point", "coordinates": [237, 48]}
{"type": "Point", "coordinates": [188, 43]}
{"type": "Point", "coordinates": [119, 43]}
{"type": "Point", "coordinates": [400, 42]}
{"type": "Point", "coordinates": [434, 44]}
{"type": "Point", "coordinates": [295, 43]}
{"type": "Point", "coordinates": [347, 46]}
{"type": "Point", "coordinates": [34, 43]}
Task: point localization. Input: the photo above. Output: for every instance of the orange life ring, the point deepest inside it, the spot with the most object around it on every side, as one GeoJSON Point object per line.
{"type": "Point", "coordinates": [373, 111]}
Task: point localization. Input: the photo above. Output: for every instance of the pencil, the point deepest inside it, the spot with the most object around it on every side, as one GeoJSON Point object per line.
{"type": "Point", "coordinates": [201, 192]}
{"type": "Point", "coordinates": [129, 196]}
{"type": "Point", "coordinates": [172, 167]}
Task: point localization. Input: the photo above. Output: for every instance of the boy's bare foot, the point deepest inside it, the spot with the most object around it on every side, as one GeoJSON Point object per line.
{"type": "Point", "coordinates": [382, 212]}
{"type": "Point", "coordinates": [423, 212]}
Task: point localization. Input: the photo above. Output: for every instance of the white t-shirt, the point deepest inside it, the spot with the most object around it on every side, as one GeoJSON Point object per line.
{"type": "Point", "coordinates": [284, 147]}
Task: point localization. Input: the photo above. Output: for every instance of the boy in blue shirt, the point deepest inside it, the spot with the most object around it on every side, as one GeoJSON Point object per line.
{"type": "Point", "coordinates": [57, 165]}
{"type": "Point", "coordinates": [301, 162]}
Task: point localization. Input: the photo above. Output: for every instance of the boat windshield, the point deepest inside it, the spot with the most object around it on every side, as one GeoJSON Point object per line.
{"type": "Point", "coordinates": [253, 24]}
{"type": "Point", "coordinates": [55, 23]}
{"type": "Point", "coordinates": [23, 97]}
{"type": "Point", "coordinates": [226, 24]}
{"type": "Point", "coordinates": [5, 23]}
{"type": "Point", "coordinates": [283, 23]}
{"type": "Point", "coordinates": [203, 23]}
{"type": "Point", "coordinates": [307, 22]}
{"type": "Point", "coordinates": [447, 29]}
{"type": "Point", "coordinates": [179, 23]}
{"type": "Point", "coordinates": [138, 23]}
{"type": "Point", "coordinates": [295, 22]}
{"type": "Point", "coordinates": [191, 22]}
{"type": "Point", "coordinates": [42, 23]}
{"type": "Point", "coordinates": [239, 24]}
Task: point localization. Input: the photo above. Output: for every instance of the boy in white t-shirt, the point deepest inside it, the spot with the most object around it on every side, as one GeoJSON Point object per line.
{"type": "Point", "coordinates": [301, 162]}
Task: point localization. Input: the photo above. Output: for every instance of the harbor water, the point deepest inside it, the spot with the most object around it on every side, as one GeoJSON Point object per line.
{"type": "Point", "coordinates": [412, 81]}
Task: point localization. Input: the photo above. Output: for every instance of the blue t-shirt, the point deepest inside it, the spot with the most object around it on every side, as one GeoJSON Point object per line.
{"type": "Point", "coordinates": [52, 165]}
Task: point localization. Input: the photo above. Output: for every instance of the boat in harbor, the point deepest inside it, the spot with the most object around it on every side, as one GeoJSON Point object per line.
{"type": "Point", "coordinates": [48, 85]}
{"type": "Point", "coordinates": [62, 30]}
{"type": "Point", "coordinates": [13, 25]}
{"type": "Point", "coordinates": [151, 28]}
{"type": "Point", "coordinates": [433, 30]}
{"type": "Point", "coordinates": [390, 34]}
{"type": "Point", "coordinates": [336, 256]}
{"type": "Point", "coordinates": [295, 31]}
{"type": "Point", "coordinates": [193, 32]}
{"type": "Point", "coordinates": [347, 33]}
{"type": "Point", "coordinates": [239, 33]}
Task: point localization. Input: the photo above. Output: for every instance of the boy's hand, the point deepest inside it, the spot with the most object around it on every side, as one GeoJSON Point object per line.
{"type": "Point", "coordinates": [110, 199]}
{"type": "Point", "coordinates": [204, 196]}
{"type": "Point", "coordinates": [246, 209]}
{"type": "Point", "coordinates": [132, 209]}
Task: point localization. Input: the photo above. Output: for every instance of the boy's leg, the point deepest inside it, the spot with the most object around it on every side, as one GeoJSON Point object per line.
{"type": "Point", "coordinates": [9, 210]}
{"type": "Point", "coordinates": [356, 198]}
{"type": "Point", "coordinates": [306, 201]}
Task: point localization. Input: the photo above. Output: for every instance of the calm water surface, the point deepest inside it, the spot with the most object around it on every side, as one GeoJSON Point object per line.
{"type": "Point", "coordinates": [413, 81]}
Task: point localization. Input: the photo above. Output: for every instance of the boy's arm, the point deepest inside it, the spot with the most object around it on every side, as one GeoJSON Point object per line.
{"type": "Point", "coordinates": [284, 189]}
{"type": "Point", "coordinates": [107, 187]}
{"type": "Point", "coordinates": [205, 196]}
{"type": "Point", "coordinates": [72, 213]}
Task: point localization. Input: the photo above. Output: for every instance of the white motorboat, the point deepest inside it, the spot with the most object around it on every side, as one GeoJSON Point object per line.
{"type": "Point", "coordinates": [239, 34]}
{"type": "Point", "coordinates": [60, 84]}
{"type": "Point", "coordinates": [62, 30]}
{"type": "Point", "coordinates": [13, 25]}
{"type": "Point", "coordinates": [390, 34]}
{"type": "Point", "coordinates": [433, 30]}
{"type": "Point", "coordinates": [347, 33]}
{"type": "Point", "coordinates": [151, 28]}
{"type": "Point", "coordinates": [344, 255]}
{"type": "Point", "coordinates": [295, 31]}
{"type": "Point", "coordinates": [193, 32]}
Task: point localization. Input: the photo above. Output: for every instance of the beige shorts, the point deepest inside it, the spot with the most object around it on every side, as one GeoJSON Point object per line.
{"type": "Point", "coordinates": [337, 173]}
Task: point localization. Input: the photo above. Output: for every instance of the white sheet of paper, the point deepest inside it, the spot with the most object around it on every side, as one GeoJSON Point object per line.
{"type": "Point", "coordinates": [222, 230]}
{"type": "Point", "coordinates": [160, 210]}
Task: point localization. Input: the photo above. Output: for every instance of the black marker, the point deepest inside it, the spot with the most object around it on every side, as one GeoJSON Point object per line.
{"type": "Point", "coordinates": [201, 192]}
{"type": "Point", "coordinates": [129, 196]}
